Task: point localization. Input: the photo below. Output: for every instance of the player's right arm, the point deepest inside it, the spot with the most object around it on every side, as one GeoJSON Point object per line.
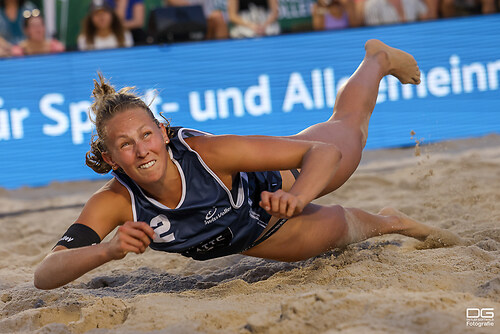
{"type": "Point", "coordinates": [104, 211]}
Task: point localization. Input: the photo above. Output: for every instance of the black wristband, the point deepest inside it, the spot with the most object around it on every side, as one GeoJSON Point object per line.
{"type": "Point", "coordinates": [79, 235]}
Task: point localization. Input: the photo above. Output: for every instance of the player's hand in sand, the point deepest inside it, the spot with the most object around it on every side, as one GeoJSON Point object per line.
{"type": "Point", "coordinates": [130, 237]}
{"type": "Point", "coordinates": [281, 204]}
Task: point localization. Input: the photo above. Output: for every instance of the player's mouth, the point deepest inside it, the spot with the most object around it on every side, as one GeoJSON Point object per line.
{"type": "Point", "coordinates": [147, 164]}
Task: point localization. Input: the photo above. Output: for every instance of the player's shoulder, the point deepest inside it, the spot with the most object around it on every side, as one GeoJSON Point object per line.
{"type": "Point", "coordinates": [112, 195]}
{"type": "Point", "coordinates": [107, 208]}
{"type": "Point", "coordinates": [209, 142]}
{"type": "Point", "coordinates": [210, 147]}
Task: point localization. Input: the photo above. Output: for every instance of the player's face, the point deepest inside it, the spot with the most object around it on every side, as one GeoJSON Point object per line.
{"type": "Point", "coordinates": [137, 145]}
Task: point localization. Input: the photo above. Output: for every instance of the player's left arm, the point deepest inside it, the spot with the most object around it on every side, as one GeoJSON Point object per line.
{"type": "Point", "coordinates": [229, 154]}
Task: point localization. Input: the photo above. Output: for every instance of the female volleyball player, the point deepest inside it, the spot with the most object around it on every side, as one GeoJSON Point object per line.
{"type": "Point", "coordinates": [206, 196]}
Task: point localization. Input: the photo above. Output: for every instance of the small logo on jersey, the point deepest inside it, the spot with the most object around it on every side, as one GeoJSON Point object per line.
{"type": "Point", "coordinates": [211, 213]}
{"type": "Point", "coordinates": [256, 216]}
{"type": "Point", "coordinates": [212, 216]}
{"type": "Point", "coordinates": [67, 239]}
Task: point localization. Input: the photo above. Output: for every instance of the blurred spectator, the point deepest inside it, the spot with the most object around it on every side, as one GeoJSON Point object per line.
{"type": "Point", "coordinates": [359, 8]}
{"type": "Point", "coordinates": [252, 18]}
{"type": "Point", "coordinates": [103, 29]}
{"type": "Point", "coordinates": [334, 14]}
{"type": "Point", "coordinates": [379, 12]}
{"type": "Point", "coordinates": [35, 42]}
{"type": "Point", "coordinates": [5, 48]}
{"type": "Point", "coordinates": [132, 14]}
{"type": "Point", "coordinates": [12, 14]}
{"type": "Point", "coordinates": [433, 8]}
{"type": "Point", "coordinates": [451, 8]}
{"type": "Point", "coordinates": [216, 21]}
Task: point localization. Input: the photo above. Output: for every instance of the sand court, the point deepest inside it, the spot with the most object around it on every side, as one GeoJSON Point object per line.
{"type": "Point", "coordinates": [388, 284]}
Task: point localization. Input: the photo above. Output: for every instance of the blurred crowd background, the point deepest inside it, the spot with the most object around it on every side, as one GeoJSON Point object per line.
{"type": "Point", "coordinates": [52, 26]}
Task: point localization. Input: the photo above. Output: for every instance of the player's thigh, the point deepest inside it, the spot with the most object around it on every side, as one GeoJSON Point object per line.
{"type": "Point", "coordinates": [315, 231]}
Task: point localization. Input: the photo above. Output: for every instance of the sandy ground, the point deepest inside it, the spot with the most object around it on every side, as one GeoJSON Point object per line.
{"type": "Point", "coordinates": [384, 285]}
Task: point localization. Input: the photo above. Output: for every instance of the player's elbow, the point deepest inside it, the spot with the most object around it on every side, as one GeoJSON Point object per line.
{"type": "Point", "coordinates": [336, 152]}
{"type": "Point", "coordinates": [40, 281]}
{"type": "Point", "coordinates": [44, 280]}
{"type": "Point", "coordinates": [331, 151]}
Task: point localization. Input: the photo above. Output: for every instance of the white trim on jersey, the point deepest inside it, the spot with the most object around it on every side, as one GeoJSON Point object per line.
{"type": "Point", "coordinates": [132, 198]}
{"type": "Point", "coordinates": [241, 195]}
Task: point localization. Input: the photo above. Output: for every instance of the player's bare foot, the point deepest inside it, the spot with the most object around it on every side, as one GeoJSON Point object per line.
{"type": "Point", "coordinates": [431, 237]}
{"type": "Point", "coordinates": [401, 64]}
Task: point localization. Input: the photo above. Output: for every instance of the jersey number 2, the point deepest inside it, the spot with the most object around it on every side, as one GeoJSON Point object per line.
{"type": "Point", "coordinates": [161, 225]}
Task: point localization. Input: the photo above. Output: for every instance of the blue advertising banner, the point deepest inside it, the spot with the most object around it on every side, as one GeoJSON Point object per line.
{"type": "Point", "coordinates": [269, 86]}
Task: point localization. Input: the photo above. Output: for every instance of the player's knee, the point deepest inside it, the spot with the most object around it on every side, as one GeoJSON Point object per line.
{"type": "Point", "coordinates": [326, 234]}
{"type": "Point", "coordinates": [338, 226]}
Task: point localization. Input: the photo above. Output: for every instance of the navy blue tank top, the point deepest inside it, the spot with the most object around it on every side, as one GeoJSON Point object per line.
{"type": "Point", "coordinates": [210, 220]}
